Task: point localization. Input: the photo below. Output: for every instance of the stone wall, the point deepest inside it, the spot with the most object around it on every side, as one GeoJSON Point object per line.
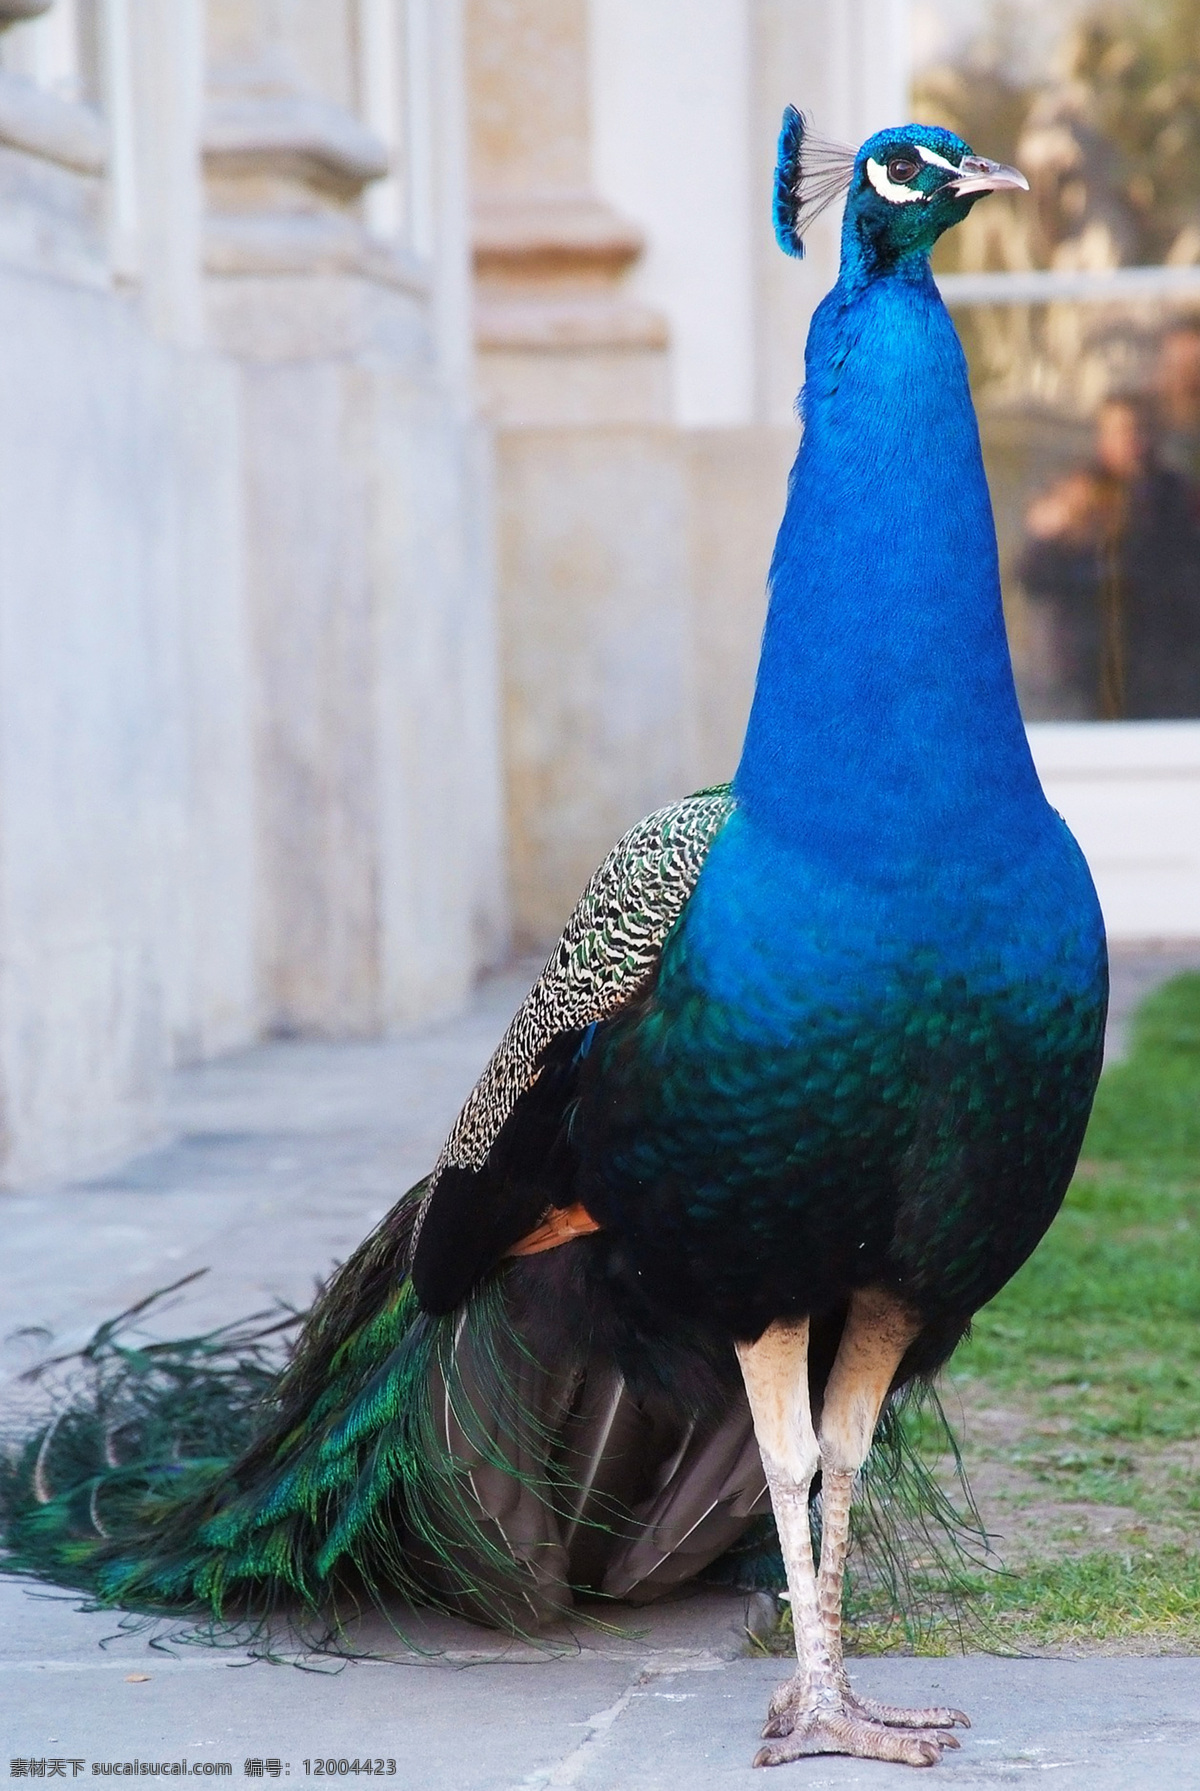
{"type": "Point", "coordinates": [125, 822]}
{"type": "Point", "coordinates": [1130, 793]}
{"type": "Point", "coordinates": [632, 565]}
{"type": "Point", "coordinates": [248, 762]}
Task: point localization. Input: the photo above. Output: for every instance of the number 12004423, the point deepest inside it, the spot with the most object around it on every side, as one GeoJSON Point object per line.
{"type": "Point", "coordinates": [330, 1769]}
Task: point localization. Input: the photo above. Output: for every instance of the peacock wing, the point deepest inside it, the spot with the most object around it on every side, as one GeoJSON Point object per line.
{"type": "Point", "coordinates": [507, 1162]}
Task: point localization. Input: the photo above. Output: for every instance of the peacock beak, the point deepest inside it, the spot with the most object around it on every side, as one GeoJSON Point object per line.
{"type": "Point", "coordinates": [977, 175]}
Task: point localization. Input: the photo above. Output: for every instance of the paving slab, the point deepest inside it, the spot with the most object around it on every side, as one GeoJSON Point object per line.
{"type": "Point", "coordinates": [273, 1165]}
{"type": "Point", "coordinates": [675, 1707]}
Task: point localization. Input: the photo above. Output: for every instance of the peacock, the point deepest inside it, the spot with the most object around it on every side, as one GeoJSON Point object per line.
{"type": "Point", "coordinates": [801, 1086]}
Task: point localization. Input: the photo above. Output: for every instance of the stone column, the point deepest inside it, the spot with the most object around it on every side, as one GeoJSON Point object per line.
{"type": "Point", "coordinates": [590, 493]}
{"type": "Point", "coordinates": [361, 496]}
{"type": "Point", "coordinates": [558, 340]}
{"type": "Point", "coordinates": [166, 51]}
{"type": "Point", "coordinates": [125, 888]}
{"type": "Point", "coordinates": [210, 969]}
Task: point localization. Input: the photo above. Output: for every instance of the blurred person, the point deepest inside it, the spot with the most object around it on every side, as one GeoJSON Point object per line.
{"type": "Point", "coordinates": [1177, 388]}
{"type": "Point", "coordinates": [1112, 560]}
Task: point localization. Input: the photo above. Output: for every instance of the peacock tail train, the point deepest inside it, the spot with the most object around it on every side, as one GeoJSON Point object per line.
{"type": "Point", "coordinates": [397, 1457]}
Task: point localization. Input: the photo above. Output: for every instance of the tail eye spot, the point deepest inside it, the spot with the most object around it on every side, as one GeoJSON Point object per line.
{"type": "Point", "coordinates": [902, 168]}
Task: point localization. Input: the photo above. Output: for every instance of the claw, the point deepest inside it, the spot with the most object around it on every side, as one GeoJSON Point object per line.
{"type": "Point", "coordinates": [787, 1698]}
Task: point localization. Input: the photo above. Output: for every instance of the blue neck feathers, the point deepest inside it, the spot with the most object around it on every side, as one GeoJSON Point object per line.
{"type": "Point", "coordinates": [885, 722]}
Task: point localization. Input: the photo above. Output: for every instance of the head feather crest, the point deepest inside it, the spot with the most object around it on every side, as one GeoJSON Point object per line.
{"type": "Point", "coordinates": [810, 173]}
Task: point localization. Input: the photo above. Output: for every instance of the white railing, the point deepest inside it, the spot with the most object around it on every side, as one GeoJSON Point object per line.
{"type": "Point", "coordinates": [1044, 286]}
{"type": "Point", "coordinates": [1130, 792]}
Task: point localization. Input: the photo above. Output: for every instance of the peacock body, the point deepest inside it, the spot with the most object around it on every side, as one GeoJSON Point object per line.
{"type": "Point", "coordinates": [799, 1090]}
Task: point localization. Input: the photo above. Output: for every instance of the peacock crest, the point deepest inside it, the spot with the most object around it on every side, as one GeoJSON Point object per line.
{"type": "Point", "coordinates": [811, 172]}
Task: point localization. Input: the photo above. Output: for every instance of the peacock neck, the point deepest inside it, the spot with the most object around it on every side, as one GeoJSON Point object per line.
{"type": "Point", "coordinates": [885, 722]}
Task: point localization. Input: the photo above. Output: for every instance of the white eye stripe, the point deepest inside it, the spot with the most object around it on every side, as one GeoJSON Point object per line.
{"type": "Point", "coordinates": [935, 161]}
{"type": "Point", "coordinates": [887, 188]}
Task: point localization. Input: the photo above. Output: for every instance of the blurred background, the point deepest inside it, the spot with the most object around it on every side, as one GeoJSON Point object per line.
{"type": "Point", "coordinates": [396, 403]}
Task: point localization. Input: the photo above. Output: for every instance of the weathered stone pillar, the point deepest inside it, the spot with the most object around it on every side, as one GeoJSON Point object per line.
{"type": "Point", "coordinates": [125, 891]}
{"type": "Point", "coordinates": [153, 69]}
{"type": "Point", "coordinates": [367, 576]}
{"type": "Point", "coordinates": [558, 340]}
{"type": "Point", "coordinates": [590, 493]}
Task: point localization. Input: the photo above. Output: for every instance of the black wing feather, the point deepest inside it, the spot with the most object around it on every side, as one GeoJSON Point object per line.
{"type": "Point", "coordinates": [508, 1157]}
{"type": "Point", "coordinates": [480, 1213]}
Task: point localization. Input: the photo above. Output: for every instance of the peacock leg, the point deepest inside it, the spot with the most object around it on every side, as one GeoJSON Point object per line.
{"type": "Point", "coordinates": [878, 1331]}
{"type": "Point", "coordinates": [837, 1486]}
{"type": "Point", "coordinates": [814, 1712]}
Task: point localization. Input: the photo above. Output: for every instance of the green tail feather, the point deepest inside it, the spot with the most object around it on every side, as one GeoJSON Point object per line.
{"type": "Point", "coordinates": [197, 1475]}
{"type": "Point", "coordinates": [202, 1476]}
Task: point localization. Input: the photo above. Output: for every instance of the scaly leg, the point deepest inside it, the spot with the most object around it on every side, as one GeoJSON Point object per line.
{"type": "Point", "coordinates": [836, 1491]}
{"type": "Point", "coordinates": [878, 1331]}
{"type": "Point", "coordinates": [775, 1370]}
{"type": "Point", "coordinates": [816, 1713]}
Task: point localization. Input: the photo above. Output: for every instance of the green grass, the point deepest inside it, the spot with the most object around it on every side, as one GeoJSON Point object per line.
{"type": "Point", "coordinates": [1136, 1601]}
{"type": "Point", "coordinates": [1129, 1599]}
{"type": "Point", "coordinates": [1095, 1347]}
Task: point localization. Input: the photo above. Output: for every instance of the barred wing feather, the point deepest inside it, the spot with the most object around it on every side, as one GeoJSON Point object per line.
{"type": "Point", "coordinates": [495, 1178]}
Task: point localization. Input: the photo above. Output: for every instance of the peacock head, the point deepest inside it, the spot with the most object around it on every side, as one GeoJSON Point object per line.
{"type": "Point", "coordinates": [904, 187]}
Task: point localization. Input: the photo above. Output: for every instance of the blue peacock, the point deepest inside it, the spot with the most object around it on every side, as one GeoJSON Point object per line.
{"type": "Point", "coordinates": [800, 1088]}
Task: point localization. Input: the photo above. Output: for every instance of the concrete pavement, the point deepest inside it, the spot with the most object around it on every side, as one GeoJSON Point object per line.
{"type": "Point", "coordinates": [677, 1707]}
{"type": "Point", "coordinates": [274, 1165]}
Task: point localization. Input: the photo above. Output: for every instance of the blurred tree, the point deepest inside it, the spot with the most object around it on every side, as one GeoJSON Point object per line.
{"type": "Point", "coordinates": [1110, 137]}
{"type": "Point", "coordinates": [1141, 73]}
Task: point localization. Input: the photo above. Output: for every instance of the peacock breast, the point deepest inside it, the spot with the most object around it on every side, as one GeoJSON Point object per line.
{"type": "Point", "coordinates": [845, 1078]}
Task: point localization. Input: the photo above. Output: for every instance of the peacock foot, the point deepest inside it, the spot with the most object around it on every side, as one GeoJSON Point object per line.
{"type": "Point", "coordinates": [791, 1699]}
{"type": "Point", "coordinates": [843, 1724]}
{"type": "Point", "coordinates": [835, 1731]}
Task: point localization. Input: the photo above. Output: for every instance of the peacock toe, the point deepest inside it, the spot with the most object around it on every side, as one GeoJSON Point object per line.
{"type": "Point", "coordinates": [935, 1716]}
{"type": "Point", "coordinates": [787, 1702]}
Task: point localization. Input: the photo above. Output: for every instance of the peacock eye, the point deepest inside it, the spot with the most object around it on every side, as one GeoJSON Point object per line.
{"type": "Point", "coordinates": [902, 168]}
